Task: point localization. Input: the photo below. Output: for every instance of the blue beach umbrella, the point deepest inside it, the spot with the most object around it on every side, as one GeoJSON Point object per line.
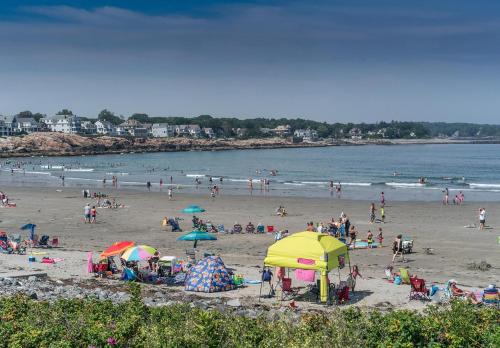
{"type": "Point", "coordinates": [193, 209]}
{"type": "Point", "coordinates": [30, 227]}
{"type": "Point", "coordinates": [196, 236]}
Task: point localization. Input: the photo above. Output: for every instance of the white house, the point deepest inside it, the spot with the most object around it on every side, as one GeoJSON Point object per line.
{"type": "Point", "coordinates": [27, 125]}
{"type": "Point", "coordinates": [283, 130]}
{"type": "Point", "coordinates": [70, 124]}
{"type": "Point", "coordinates": [88, 127]}
{"type": "Point", "coordinates": [209, 132]}
{"type": "Point", "coordinates": [307, 135]}
{"type": "Point", "coordinates": [162, 130]}
{"type": "Point", "coordinates": [104, 127]}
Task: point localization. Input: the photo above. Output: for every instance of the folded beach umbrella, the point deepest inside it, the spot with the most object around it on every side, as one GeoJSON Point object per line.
{"type": "Point", "coordinates": [137, 253]}
{"type": "Point", "coordinates": [118, 248]}
{"type": "Point", "coordinates": [196, 236]}
{"type": "Point", "coordinates": [192, 209]}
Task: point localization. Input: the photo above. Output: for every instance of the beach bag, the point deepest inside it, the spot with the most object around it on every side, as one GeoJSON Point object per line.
{"type": "Point", "coordinates": [397, 280]}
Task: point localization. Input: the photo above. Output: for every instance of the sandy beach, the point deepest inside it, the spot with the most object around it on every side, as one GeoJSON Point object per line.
{"type": "Point", "coordinates": [59, 212]}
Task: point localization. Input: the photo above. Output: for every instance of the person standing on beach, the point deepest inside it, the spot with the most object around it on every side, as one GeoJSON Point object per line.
{"type": "Point", "coordinates": [382, 199]}
{"type": "Point", "coordinates": [446, 196]}
{"type": "Point", "coordinates": [372, 213]}
{"type": "Point", "coordinates": [86, 213]}
{"type": "Point", "coordinates": [382, 214]}
{"type": "Point", "coordinates": [171, 179]}
{"type": "Point", "coordinates": [148, 185]}
{"type": "Point", "coordinates": [161, 183]}
{"type": "Point", "coordinates": [482, 218]}
{"type": "Point", "coordinates": [170, 194]}
{"type": "Point", "coordinates": [93, 214]}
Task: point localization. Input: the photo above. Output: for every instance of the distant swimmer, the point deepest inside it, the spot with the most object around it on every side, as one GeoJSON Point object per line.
{"type": "Point", "coordinates": [396, 174]}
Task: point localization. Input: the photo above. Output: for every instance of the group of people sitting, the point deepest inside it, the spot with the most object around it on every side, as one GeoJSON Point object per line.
{"type": "Point", "coordinates": [489, 295]}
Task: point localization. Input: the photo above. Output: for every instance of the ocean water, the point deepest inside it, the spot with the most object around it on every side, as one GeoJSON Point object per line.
{"type": "Point", "coordinates": [363, 171]}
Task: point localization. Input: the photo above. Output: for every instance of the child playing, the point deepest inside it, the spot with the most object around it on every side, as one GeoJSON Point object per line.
{"type": "Point", "coordinates": [380, 237]}
{"type": "Point", "coordinates": [369, 238]}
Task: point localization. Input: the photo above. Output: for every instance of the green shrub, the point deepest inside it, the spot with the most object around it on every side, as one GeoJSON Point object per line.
{"type": "Point", "coordinates": [87, 323]}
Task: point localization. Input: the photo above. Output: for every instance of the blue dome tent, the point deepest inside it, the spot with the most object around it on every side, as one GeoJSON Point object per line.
{"type": "Point", "coordinates": [209, 275]}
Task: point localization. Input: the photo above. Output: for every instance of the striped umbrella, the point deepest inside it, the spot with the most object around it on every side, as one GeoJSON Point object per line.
{"type": "Point", "coordinates": [117, 248]}
{"type": "Point", "coordinates": [137, 253]}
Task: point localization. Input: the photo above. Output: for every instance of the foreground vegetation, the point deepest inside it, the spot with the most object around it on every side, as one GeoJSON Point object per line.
{"type": "Point", "coordinates": [93, 323]}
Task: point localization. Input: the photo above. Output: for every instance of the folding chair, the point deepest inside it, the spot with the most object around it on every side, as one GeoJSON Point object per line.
{"type": "Point", "coordinates": [287, 291]}
{"type": "Point", "coordinates": [55, 242]}
{"type": "Point", "coordinates": [270, 229]}
{"type": "Point", "coordinates": [418, 290]}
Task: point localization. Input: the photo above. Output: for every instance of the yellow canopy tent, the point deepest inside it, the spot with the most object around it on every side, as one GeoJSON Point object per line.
{"type": "Point", "coordinates": [323, 249]}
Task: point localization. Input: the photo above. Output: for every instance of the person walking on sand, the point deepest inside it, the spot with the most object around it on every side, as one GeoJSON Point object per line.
{"type": "Point", "coordinates": [161, 183]}
{"type": "Point", "coordinates": [86, 213]}
{"type": "Point", "coordinates": [170, 193]}
{"type": "Point", "coordinates": [148, 185]}
{"type": "Point", "coordinates": [482, 218]}
{"type": "Point", "coordinates": [397, 248]}
{"type": "Point", "coordinates": [382, 199]}
{"type": "Point", "coordinates": [372, 213]}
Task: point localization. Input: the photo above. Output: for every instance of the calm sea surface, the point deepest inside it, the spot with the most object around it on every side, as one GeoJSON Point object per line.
{"type": "Point", "coordinates": [363, 171]}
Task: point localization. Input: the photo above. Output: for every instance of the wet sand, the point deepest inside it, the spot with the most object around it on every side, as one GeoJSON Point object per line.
{"type": "Point", "coordinates": [59, 212]}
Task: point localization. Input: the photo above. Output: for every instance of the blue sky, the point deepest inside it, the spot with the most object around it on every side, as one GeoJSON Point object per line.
{"type": "Point", "coordinates": [325, 60]}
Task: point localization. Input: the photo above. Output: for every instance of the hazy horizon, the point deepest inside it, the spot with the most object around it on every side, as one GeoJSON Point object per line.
{"type": "Point", "coordinates": [334, 61]}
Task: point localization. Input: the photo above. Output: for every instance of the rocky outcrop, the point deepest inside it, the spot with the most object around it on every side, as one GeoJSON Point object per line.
{"type": "Point", "coordinates": [57, 144]}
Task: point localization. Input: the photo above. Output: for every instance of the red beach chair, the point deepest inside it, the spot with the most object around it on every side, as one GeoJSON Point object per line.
{"type": "Point", "coordinates": [270, 229]}
{"type": "Point", "coordinates": [418, 290]}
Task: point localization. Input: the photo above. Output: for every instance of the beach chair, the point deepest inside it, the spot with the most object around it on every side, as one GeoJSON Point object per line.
{"type": "Point", "coordinates": [342, 293]}
{"type": "Point", "coordinates": [405, 275]}
{"type": "Point", "coordinates": [260, 229]}
{"type": "Point", "coordinates": [287, 292]}
{"type": "Point", "coordinates": [220, 229]}
{"type": "Point", "coordinates": [55, 242]}
{"type": "Point", "coordinates": [270, 229]}
{"type": "Point", "coordinates": [43, 242]}
{"type": "Point", "coordinates": [418, 290]}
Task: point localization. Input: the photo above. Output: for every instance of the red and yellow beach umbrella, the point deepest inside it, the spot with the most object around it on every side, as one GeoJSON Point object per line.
{"type": "Point", "coordinates": [117, 248]}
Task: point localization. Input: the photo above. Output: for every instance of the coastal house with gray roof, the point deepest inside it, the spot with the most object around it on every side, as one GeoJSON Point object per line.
{"type": "Point", "coordinates": [26, 125]}
{"type": "Point", "coordinates": [104, 128]}
{"type": "Point", "coordinates": [162, 130]}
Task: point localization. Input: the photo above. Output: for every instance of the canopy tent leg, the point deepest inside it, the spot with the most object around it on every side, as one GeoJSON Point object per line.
{"type": "Point", "coordinates": [261, 282]}
{"type": "Point", "coordinates": [323, 293]}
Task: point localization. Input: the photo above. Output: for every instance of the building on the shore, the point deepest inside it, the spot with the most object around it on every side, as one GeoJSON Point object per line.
{"type": "Point", "coordinates": [105, 128]}
{"type": "Point", "coordinates": [181, 130]}
{"type": "Point", "coordinates": [162, 130]}
{"type": "Point", "coordinates": [26, 125]}
{"type": "Point", "coordinates": [4, 130]}
{"type": "Point", "coordinates": [209, 132]}
{"type": "Point", "coordinates": [88, 128]}
{"type": "Point", "coordinates": [307, 135]}
{"type": "Point", "coordinates": [141, 132]}
{"type": "Point", "coordinates": [283, 130]}
{"type": "Point", "coordinates": [194, 130]}
{"type": "Point", "coordinates": [69, 124]}
{"type": "Point", "coordinates": [240, 132]}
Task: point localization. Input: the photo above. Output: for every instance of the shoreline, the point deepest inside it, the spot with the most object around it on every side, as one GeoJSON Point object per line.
{"type": "Point", "coordinates": [58, 144]}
